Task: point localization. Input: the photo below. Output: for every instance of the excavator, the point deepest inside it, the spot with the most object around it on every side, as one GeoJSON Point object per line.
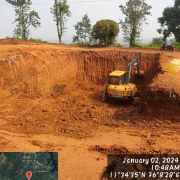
{"type": "Point", "coordinates": [118, 84]}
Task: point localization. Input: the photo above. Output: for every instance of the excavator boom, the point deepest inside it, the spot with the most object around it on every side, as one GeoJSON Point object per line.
{"type": "Point", "coordinates": [134, 62]}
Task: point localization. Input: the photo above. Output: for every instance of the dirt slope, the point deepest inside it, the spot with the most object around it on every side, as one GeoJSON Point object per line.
{"type": "Point", "coordinates": [51, 101]}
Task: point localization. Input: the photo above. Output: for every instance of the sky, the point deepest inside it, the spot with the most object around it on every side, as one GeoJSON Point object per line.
{"type": "Point", "coordinates": [95, 9]}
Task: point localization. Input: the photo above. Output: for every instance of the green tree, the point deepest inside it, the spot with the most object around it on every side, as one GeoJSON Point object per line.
{"type": "Point", "coordinates": [18, 2]}
{"type": "Point", "coordinates": [25, 19]}
{"type": "Point", "coordinates": [157, 41]}
{"type": "Point", "coordinates": [83, 30]}
{"type": "Point", "coordinates": [170, 21]}
{"type": "Point", "coordinates": [105, 31]}
{"type": "Point", "coordinates": [60, 11]}
{"type": "Point", "coordinates": [135, 11]}
{"type": "Point", "coordinates": [172, 41]}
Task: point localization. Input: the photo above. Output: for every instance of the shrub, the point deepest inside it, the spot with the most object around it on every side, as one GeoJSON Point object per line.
{"type": "Point", "coordinates": [7, 37]}
{"type": "Point", "coordinates": [119, 45]}
{"type": "Point", "coordinates": [38, 40]}
{"type": "Point", "coordinates": [31, 39]}
{"type": "Point", "coordinates": [83, 43]}
{"type": "Point", "coordinates": [152, 46]}
{"type": "Point", "coordinates": [135, 44]}
{"type": "Point", "coordinates": [95, 44]}
{"type": "Point", "coordinates": [177, 45]}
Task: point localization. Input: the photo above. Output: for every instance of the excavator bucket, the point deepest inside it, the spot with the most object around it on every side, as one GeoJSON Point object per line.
{"type": "Point", "coordinates": [141, 73]}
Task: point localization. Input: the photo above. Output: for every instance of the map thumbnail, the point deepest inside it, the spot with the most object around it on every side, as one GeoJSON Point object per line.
{"type": "Point", "coordinates": [28, 166]}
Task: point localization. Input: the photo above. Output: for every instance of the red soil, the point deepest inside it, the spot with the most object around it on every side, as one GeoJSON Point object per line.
{"type": "Point", "coordinates": [51, 101]}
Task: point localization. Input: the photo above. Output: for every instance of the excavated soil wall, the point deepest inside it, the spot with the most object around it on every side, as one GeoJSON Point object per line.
{"type": "Point", "coordinates": [41, 71]}
{"type": "Point", "coordinates": [162, 103]}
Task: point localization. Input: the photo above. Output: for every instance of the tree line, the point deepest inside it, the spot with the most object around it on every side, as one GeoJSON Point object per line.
{"type": "Point", "coordinates": [104, 32]}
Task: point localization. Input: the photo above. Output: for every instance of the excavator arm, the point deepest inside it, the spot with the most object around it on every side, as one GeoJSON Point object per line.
{"type": "Point", "coordinates": [134, 62]}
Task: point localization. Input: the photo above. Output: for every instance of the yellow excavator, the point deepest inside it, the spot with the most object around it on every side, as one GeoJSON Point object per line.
{"type": "Point", "coordinates": [118, 84]}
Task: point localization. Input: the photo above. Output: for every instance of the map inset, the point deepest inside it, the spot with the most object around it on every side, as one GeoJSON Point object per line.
{"type": "Point", "coordinates": [28, 166]}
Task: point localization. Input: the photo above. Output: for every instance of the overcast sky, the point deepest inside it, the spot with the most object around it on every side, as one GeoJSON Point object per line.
{"type": "Point", "coordinates": [95, 9]}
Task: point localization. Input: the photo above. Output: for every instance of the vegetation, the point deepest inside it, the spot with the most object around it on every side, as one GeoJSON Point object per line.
{"type": "Point", "coordinates": [17, 2]}
{"type": "Point", "coordinates": [31, 39]}
{"type": "Point", "coordinates": [151, 46]}
{"type": "Point", "coordinates": [118, 45]}
{"type": "Point", "coordinates": [136, 44]}
{"type": "Point", "coordinates": [172, 41]}
{"type": "Point", "coordinates": [135, 11]}
{"type": "Point", "coordinates": [7, 37]}
{"type": "Point", "coordinates": [105, 31]}
{"type": "Point", "coordinates": [39, 40]}
{"type": "Point", "coordinates": [60, 11]}
{"type": "Point", "coordinates": [83, 43]}
{"type": "Point", "coordinates": [83, 30]}
{"type": "Point", "coordinates": [177, 45]}
{"type": "Point", "coordinates": [157, 41]}
{"type": "Point", "coordinates": [170, 21]}
{"type": "Point", "coordinates": [25, 18]}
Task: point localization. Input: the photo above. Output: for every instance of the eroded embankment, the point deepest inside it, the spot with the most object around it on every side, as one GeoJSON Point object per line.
{"type": "Point", "coordinates": [42, 71]}
{"type": "Point", "coordinates": [162, 103]}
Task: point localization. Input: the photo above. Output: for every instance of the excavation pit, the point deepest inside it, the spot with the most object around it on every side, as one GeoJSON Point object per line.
{"type": "Point", "coordinates": [53, 72]}
{"type": "Point", "coordinates": [51, 102]}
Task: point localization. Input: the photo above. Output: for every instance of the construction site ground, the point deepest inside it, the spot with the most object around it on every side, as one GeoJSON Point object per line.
{"type": "Point", "coordinates": [47, 106]}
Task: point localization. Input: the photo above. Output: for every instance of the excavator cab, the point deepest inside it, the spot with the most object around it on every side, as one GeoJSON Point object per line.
{"type": "Point", "coordinates": [118, 84]}
{"type": "Point", "coordinates": [116, 80]}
